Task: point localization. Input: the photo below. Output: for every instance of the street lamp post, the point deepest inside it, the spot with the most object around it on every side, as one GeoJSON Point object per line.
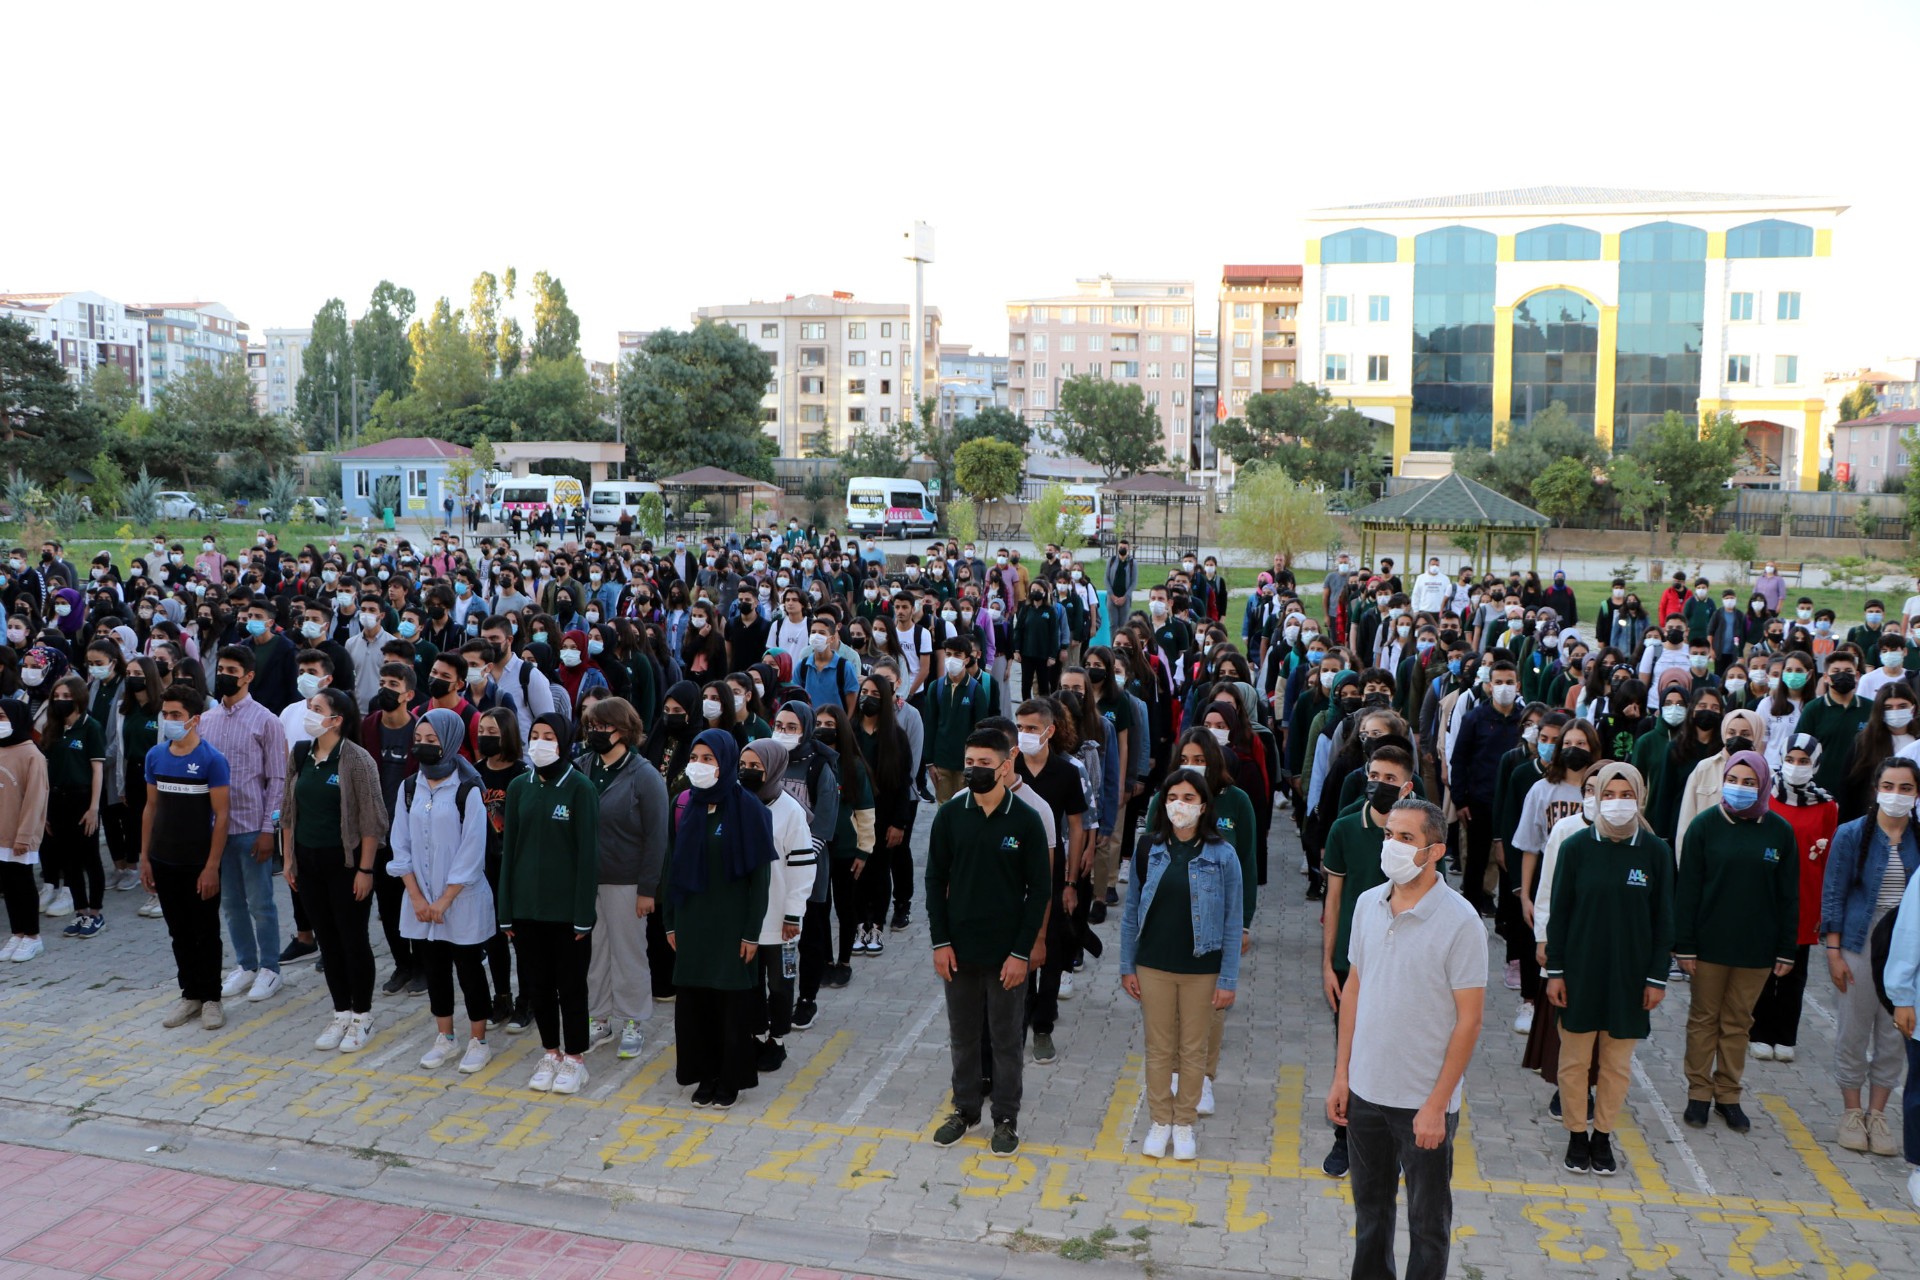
{"type": "Point", "coordinates": [922, 239]}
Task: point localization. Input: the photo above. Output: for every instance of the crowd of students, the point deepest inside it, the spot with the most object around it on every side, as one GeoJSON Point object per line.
{"type": "Point", "coordinates": [577, 779]}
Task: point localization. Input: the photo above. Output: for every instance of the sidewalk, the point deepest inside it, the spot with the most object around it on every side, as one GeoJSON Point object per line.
{"type": "Point", "coordinates": [75, 1216]}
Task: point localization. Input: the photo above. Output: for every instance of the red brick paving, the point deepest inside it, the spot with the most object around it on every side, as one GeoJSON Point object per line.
{"type": "Point", "coordinates": [86, 1217]}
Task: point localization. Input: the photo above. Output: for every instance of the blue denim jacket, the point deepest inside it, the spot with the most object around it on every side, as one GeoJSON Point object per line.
{"type": "Point", "coordinates": [1856, 863]}
{"type": "Point", "coordinates": [1214, 892]}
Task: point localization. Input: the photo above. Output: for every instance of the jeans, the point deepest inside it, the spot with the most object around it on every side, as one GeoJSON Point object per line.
{"type": "Point", "coordinates": [246, 899]}
{"type": "Point", "coordinates": [1910, 1103]}
{"type": "Point", "coordinates": [1380, 1146]}
{"type": "Point", "coordinates": [975, 989]}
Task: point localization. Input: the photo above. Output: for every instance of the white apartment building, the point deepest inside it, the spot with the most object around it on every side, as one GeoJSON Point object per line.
{"type": "Point", "coordinates": [86, 330]}
{"type": "Point", "coordinates": [179, 333]}
{"type": "Point", "coordinates": [275, 367]}
{"type": "Point", "coordinates": [969, 382]}
{"type": "Point", "coordinates": [1132, 331]}
{"type": "Point", "coordinates": [840, 365]}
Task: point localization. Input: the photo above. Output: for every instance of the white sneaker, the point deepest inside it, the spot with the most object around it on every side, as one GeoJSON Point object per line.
{"type": "Point", "coordinates": [476, 1057]}
{"type": "Point", "coordinates": [440, 1054]}
{"type": "Point", "coordinates": [571, 1076]}
{"type": "Point", "coordinates": [1783, 1053]}
{"type": "Point", "coordinates": [599, 1031]}
{"type": "Point", "coordinates": [1523, 1020]}
{"type": "Point", "coordinates": [150, 909]}
{"type": "Point", "coordinates": [1155, 1145]}
{"type": "Point", "coordinates": [330, 1038]}
{"type": "Point", "coordinates": [266, 985]}
{"type": "Point", "coordinates": [61, 903]}
{"type": "Point", "coordinates": [239, 982]}
{"type": "Point", "coordinates": [359, 1031]}
{"type": "Point", "coordinates": [1913, 1186]}
{"type": "Point", "coordinates": [29, 949]}
{"type": "Point", "coordinates": [1760, 1052]}
{"type": "Point", "coordinates": [543, 1074]}
{"type": "Point", "coordinates": [46, 897]}
{"type": "Point", "coordinates": [1206, 1096]}
{"type": "Point", "coordinates": [630, 1041]}
{"type": "Point", "coordinates": [6, 952]}
{"type": "Point", "coordinates": [1066, 986]}
{"type": "Point", "coordinates": [1183, 1145]}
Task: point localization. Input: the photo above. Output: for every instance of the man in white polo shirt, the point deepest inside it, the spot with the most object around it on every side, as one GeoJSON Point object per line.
{"type": "Point", "coordinates": [1409, 1019]}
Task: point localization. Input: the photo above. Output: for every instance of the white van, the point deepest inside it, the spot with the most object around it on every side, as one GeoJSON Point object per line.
{"type": "Point", "coordinates": [530, 495]}
{"type": "Point", "coordinates": [889, 507]}
{"type": "Point", "coordinates": [1096, 522]}
{"type": "Point", "coordinates": [606, 499]}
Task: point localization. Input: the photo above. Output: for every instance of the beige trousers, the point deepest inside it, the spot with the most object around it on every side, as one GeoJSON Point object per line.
{"type": "Point", "coordinates": [1179, 1014]}
{"type": "Point", "coordinates": [1577, 1049]}
{"type": "Point", "coordinates": [1723, 998]}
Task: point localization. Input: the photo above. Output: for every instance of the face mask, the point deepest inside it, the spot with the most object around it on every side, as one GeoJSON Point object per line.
{"type": "Point", "coordinates": [710, 708]}
{"type": "Point", "coordinates": [1453, 666]}
{"type": "Point", "coordinates": [63, 609]}
{"type": "Point", "coordinates": [1761, 682]}
{"type": "Point", "coordinates": [1796, 775]}
{"type": "Point", "coordinates": [170, 730]}
{"type": "Point", "coordinates": [1891, 659]}
{"type": "Point", "coordinates": [176, 558]}
{"type": "Point", "coordinates": [1588, 807]}
{"type": "Point", "coordinates": [1577, 758]}
{"type": "Point", "coordinates": [1618, 813]}
{"type": "Point", "coordinates": [1698, 662]}
{"type": "Point", "coordinates": [1874, 617]}
{"type": "Point", "coordinates": [1894, 805]}
{"type": "Point", "coordinates": [981, 778]}
{"type": "Point", "coordinates": [1736, 687]}
{"type": "Point", "coordinates": [1159, 608]}
{"type": "Point", "coordinates": [476, 676]}
{"type": "Point", "coordinates": [1397, 861]}
{"type": "Point", "coordinates": [956, 667]}
{"type": "Point", "coordinates": [1031, 743]}
{"type": "Point", "coordinates": [1803, 614]}
{"type": "Point", "coordinates": [1183, 814]}
{"type": "Point", "coordinates": [739, 704]}
{"type": "Point", "coordinates": [1823, 626]}
{"type": "Point", "coordinates": [543, 752]}
{"type": "Point", "coordinates": [1737, 797]}
{"type": "Point", "coordinates": [1674, 714]}
{"type": "Point", "coordinates": [1898, 720]}
{"type": "Point", "coordinates": [1504, 695]}
{"type": "Point", "coordinates": [1404, 631]}
{"type": "Point", "coordinates": [1794, 679]}
{"type": "Point", "coordinates": [371, 621]}
{"type": "Point", "coordinates": [1327, 679]}
{"type": "Point", "coordinates": [1843, 681]}
{"type": "Point", "coordinates": [1382, 795]}
{"type": "Point", "coordinates": [429, 753]}
{"type": "Point", "coordinates": [1545, 750]}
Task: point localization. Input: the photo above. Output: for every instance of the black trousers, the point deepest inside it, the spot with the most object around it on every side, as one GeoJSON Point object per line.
{"type": "Point", "coordinates": [390, 892]}
{"type": "Point", "coordinates": [659, 959]}
{"type": "Point", "coordinates": [442, 960]}
{"type": "Point", "coordinates": [23, 900]}
{"type": "Point", "coordinates": [339, 925]}
{"type": "Point", "coordinates": [121, 821]}
{"type": "Point", "coordinates": [1479, 838]}
{"type": "Point", "coordinates": [1776, 1017]}
{"type": "Point", "coordinates": [713, 1038]}
{"type": "Point", "coordinates": [553, 977]}
{"type": "Point", "coordinates": [874, 883]}
{"type": "Point", "coordinates": [193, 922]}
{"type": "Point", "coordinates": [75, 852]}
{"type": "Point", "coordinates": [816, 948]}
{"type": "Point", "coordinates": [984, 1017]}
{"type": "Point", "coordinates": [773, 995]}
{"type": "Point", "coordinates": [499, 950]}
{"type": "Point", "coordinates": [1037, 671]}
{"type": "Point", "coordinates": [1381, 1146]}
{"type": "Point", "coordinates": [847, 908]}
{"type": "Point", "coordinates": [900, 862]}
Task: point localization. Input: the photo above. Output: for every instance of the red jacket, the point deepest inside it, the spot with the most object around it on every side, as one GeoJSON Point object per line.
{"type": "Point", "coordinates": [1813, 827]}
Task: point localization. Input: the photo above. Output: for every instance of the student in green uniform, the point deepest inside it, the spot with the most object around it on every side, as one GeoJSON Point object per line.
{"type": "Point", "coordinates": [1607, 950]}
{"type": "Point", "coordinates": [717, 881]}
{"type": "Point", "coordinates": [1736, 918]}
{"type": "Point", "coordinates": [1835, 718]}
{"type": "Point", "coordinates": [76, 756]}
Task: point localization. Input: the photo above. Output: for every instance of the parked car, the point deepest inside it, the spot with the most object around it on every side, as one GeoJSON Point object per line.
{"type": "Point", "coordinates": [178, 505]}
{"type": "Point", "coordinates": [321, 511]}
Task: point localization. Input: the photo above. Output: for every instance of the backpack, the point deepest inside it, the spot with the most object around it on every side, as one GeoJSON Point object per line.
{"type": "Point", "coordinates": [1879, 946]}
{"type": "Point", "coordinates": [467, 787]}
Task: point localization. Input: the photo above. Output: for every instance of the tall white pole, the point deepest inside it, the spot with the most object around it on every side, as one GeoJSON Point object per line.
{"type": "Point", "coordinates": [921, 238]}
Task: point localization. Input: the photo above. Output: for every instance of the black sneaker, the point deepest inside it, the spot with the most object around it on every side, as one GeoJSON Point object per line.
{"type": "Point", "coordinates": [723, 1099]}
{"type": "Point", "coordinates": [770, 1056]}
{"type": "Point", "coordinates": [804, 1012]}
{"type": "Point", "coordinates": [703, 1093]}
{"type": "Point", "coordinates": [1736, 1118]}
{"type": "Point", "coordinates": [1005, 1140]}
{"type": "Point", "coordinates": [1335, 1165]}
{"type": "Point", "coordinates": [1600, 1155]}
{"type": "Point", "coordinates": [1316, 887]}
{"type": "Point", "coordinates": [1113, 897]}
{"type": "Point", "coordinates": [298, 950]}
{"type": "Point", "coordinates": [1553, 1107]}
{"type": "Point", "coordinates": [502, 1009]}
{"type": "Point", "coordinates": [398, 982]}
{"type": "Point", "coordinates": [522, 1017]}
{"type": "Point", "coordinates": [837, 977]}
{"type": "Point", "coordinates": [1097, 913]}
{"type": "Point", "coordinates": [954, 1128]}
{"type": "Point", "coordinates": [1579, 1153]}
{"type": "Point", "coordinates": [1697, 1114]}
{"type": "Point", "coordinates": [417, 985]}
{"type": "Point", "coordinates": [900, 918]}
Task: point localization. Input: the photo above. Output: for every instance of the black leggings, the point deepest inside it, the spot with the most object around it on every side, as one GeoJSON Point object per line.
{"type": "Point", "coordinates": [816, 947]}
{"type": "Point", "coordinates": [441, 960]}
{"type": "Point", "coordinates": [499, 950]}
{"type": "Point", "coordinates": [659, 959]}
{"type": "Point", "coordinates": [339, 925]}
{"type": "Point", "coordinates": [553, 978]}
{"type": "Point", "coordinates": [847, 907]}
{"type": "Point", "coordinates": [874, 883]}
{"type": "Point", "coordinates": [900, 861]}
{"type": "Point", "coordinates": [23, 900]}
{"type": "Point", "coordinates": [1037, 671]}
{"type": "Point", "coordinates": [76, 853]}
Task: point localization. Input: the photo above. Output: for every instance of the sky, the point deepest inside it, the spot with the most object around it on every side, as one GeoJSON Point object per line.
{"type": "Point", "coordinates": [659, 158]}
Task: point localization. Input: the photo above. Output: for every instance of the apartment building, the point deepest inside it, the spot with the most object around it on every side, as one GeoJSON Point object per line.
{"type": "Point", "coordinates": [1133, 331]}
{"type": "Point", "coordinates": [182, 333]}
{"type": "Point", "coordinates": [86, 330]}
{"type": "Point", "coordinates": [274, 366]}
{"type": "Point", "coordinates": [840, 365]}
{"type": "Point", "coordinates": [1259, 331]}
{"type": "Point", "coordinates": [969, 382]}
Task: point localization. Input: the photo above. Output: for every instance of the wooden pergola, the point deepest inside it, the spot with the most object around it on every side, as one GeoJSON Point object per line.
{"type": "Point", "coordinates": [736, 494]}
{"type": "Point", "coordinates": [1135, 500]}
{"type": "Point", "coordinates": [1447, 506]}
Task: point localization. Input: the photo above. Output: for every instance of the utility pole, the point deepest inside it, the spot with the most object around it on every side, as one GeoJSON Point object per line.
{"type": "Point", "coordinates": [922, 239]}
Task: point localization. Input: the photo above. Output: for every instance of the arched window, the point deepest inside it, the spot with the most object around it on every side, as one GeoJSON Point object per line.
{"type": "Point", "coordinates": [1558, 242]}
{"type": "Point", "coordinates": [1556, 351]}
{"type": "Point", "coordinates": [1359, 245]}
{"type": "Point", "coordinates": [1663, 281]}
{"type": "Point", "coordinates": [1770, 238]}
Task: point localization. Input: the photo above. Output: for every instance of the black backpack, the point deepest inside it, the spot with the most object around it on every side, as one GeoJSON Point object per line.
{"type": "Point", "coordinates": [467, 787]}
{"type": "Point", "coordinates": [1879, 946]}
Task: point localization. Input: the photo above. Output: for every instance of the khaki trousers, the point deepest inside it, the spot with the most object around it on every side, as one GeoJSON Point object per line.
{"type": "Point", "coordinates": [1577, 1049]}
{"type": "Point", "coordinates": [946, 782]}
{"type": "Point", "coordinates": [1216, 1032]}
{"type": "Point", "coordinates": [1179, 1014]}
{"type": "Point", "coordinates": [1106, 863]}
{"type": "Point", "coordinates": [1723, 998]}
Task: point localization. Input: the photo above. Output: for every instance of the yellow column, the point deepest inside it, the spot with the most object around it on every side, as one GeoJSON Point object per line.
{"type": "Point", "coordinates": [1503, 249]}
{"type": "Point", "coordinates": [1406, 249]}
{"type": "Point", "coordinates": [1716, 244]}
{"type": "Point", "coordinates": [1402, 431]}
{"type": "Point", "coordinates": [1313, 253]}
{"type": "Point", "coordinates": [1610, 246]}
{"type": "Point", "coordinates": [1823, 242]}
{"type": "Point", "coordinates": [1603, 376]}
{"type": "Point", "coordinates": [1810, 449]}
{"type": "Point", "coordinates": [1502, 373]}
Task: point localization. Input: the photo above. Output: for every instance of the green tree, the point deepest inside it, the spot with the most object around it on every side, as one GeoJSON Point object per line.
{"type": "Point", "coordinates": [1109, 424]}
{"type": "Point", "coordinates": [1693, 463]}
{"type": "Point", "coordinates": [1642, 497]}
{"type": "Point", "coordinates": [510, 340]}
{"type": "Point", "coordinates": [1858, 403]}
{"type": "Point", "coordinates": [556, 329]}
{"type": "Point", "coordinates": [1529, 449]}
{"type": "Point", "coordinates": [996, 423]}
{"type": "Point", "coordinates": [1565, 488]}
{"type": "Point", "coordinates": [1273, 419]}
{"type": "Point", "coordinates": [1274, 514]}
{"type": "Point", "coordinates": [325, 366]}
{"type": "Point", "coordinates": [988, 468]}
{"type": "Point", "coordinates": [550, 400]}
{"type": "Point", "coordinates": [1049, 520]}
{"type": "Point", "coordinates": [483, 319]}
{"type": "Point", "coordinates": [878, 451]}
{"type": "Point", "coordinates": [44, 429]}
{"type": "Point", "coordinates": [963, 519]}
{"type": "Point", "coordinates": [1301, 432]}
{"type": "Point", "coordinates": [692, 398]}
{"type": "Point", "coordinates": [448, 370]}
{"type": "Point", "coordinates": [107, 392]}
{"type": "Point", "coordinates": [383, 356]}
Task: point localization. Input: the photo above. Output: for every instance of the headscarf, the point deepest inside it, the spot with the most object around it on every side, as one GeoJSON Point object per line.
{"type": "Point", "coordinates": [452, 732]}
{"type": "Point", "coordinates": [19, 716]}
{"type": "Point", "coordinates": [1607, 773]}
{"type": "Point", "coordinates": [745, 826]}
{"type": "Point", "coordinates": [773, 760]}
{"type": "Point", "coordinates": [54, 663]}
{"type": "Point", "coordinates": [1756, 731]}
{"type": "Point", "coordinates": [129, 642]}
{"type": "Point", "coordinates": [571, 677]}
{"type": "Point", "coordinates": [1759, 808]}
{"type": "Point", "coordinates": [563, 730]}
{"type": "Point", "coordinates": [1242, 695]}
{"type": "Point", "coordinates": [543, 659]}
{"type": "Point", "coordinates": [1810, 794]}
{"type": "Point", "coordinates": [76, 615]}
{"type": "Point", "coordinates": [1668, 679]}
{"type": "Point", "coordinates": [687, 694]}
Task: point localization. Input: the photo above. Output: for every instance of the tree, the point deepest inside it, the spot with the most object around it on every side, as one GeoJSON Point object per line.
{"type": "Point", "coordinates": [1049, 520]}
{"type": "Point", "coordinates": [878, 451]}
{"type": "Point", "coordinates": [1274, 514]}
{"type": "Point", "coordinates": [448, 371]}
{"type": "Point", "coordinates": [996, 423]}
{"type": "Point", "coordinates": [1859, 403]}
{"type": "Point", "coordinates": [556, 329]}
{"type": "Point", "coordinates": [1639, 495]}
{"type": "Point", "coordinates": [510, 340]}
{"type": "Point", "coordinates": [1565, 488]}
{"type": "Point", "coordinates": [692, 398]}
{"type": "Point", "coordinates": [44, 429]}
{"type": "Point", "coordinates": [325, 366]}
{"type": "Point", "coordinates": [1301, 432]}
{"type": "Point", "coordinates": [1272, 419]}
{"type": "Point", "coordinates": [550, 400]}
{"type": "Point", "coordinates": [988, 468]}
{"type": "Point", "coordinates": [1693, 463]}
{"type": "Point", "coordinates": [208, 409]}
{"type": "Point", "coordinates": [107, 392]}
{"type": "Point", "coordinates": [1531, 447]}
{"type": "Point", "coordinates": [483, 319]}
{"type": "Point", "coordinates": [1109, 424]}
{"type": "Point", "coordinates": [383, 356]}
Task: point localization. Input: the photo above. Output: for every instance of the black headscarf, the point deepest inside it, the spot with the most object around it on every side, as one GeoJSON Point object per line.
{"type": "Point", "coordinates": [745, 824]}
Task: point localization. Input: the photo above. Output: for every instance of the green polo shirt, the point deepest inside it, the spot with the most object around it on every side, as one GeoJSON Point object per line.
{"type": "Point", "coordinates": [1353, 853]}
{"type": "Point", "coordinates": [988, 879]}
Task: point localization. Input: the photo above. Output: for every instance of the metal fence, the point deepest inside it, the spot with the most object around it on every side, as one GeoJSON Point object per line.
{"type": "Point", "coordinates": [1767, 513]}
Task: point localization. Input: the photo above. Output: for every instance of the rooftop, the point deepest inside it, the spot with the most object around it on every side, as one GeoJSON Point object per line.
{"type": "Point", "coordinates": [407, 447]}
{"type": "Point", "coordinates": [1891, 418]}
{"type": "Point", "coordinates": [1270, 271]}
{"type": "Point", "coordinates": [1521, 198]}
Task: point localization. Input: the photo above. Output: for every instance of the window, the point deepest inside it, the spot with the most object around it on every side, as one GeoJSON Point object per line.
{"type": "Point", "coordinates": [1179, 372]}
{"type": "Point", "coordinates": [1239, 397]}
{"type": "Point", "coordinates": [1244, 341]}
{"type": "Point", "coordinates": [1039, 397]}
{"type": "Point", "coordinates": [1126, 342]}
{"type": "Point", "coordinates": [1787, 307]}
{"type": "Point", "coordinates": [1019, 339]}
{"type": "Point", "coordinates": [1284, 311]}
{"type": "Point", "coordinates": [1770, 238]}
{"type": "Point", "coordinates": [1243, 368]}
{"type": "Point", "coordinates": [1126, 315]}
{"type": "Point", "coordinates": [1557, 243]}
{"type": "Point", "coordinates": [773, 387]}
{"type": "Point", "coordinates": [1243, 311]}
{"type": "Point", "coordinates": [1179, 397]}
{"type": "Point", "coordinates": [814, 329]}
{"type": "Point", "coordinates": [812, 357]}
{"type": "Point", "coordinates": [1376, 368]}
{"type": "Point", "coordinates": [1359, 245]}
{"type": "Point", "coordinates": [1067, 341]}
{"type": "Point", "coordinates": [741, 329]}
{"type": "Point", "coordinates": [857, 359]}
{"type": "Point", "coordinates": [886, 414]}
{"type": "Point", "coordinates": [1153, 371]}
{"type": "Point", "coordinates": [1336, 368]}
{"type": "Point", "coordinates": [1179, 342]}
{"type": "Point", "coordinates": [1153, 342]}
{"type": "Point", "coordinates": [813, 413]}
{"type": "Point", "coordinates": [1739, 368]}
{"type": "Point", "coordinates": [1177, 315]}
{"type": "Point", "coordinates": [886, 357]}
{"type": "Point", "coordinates": [1786, 370]}
{"type": "Point", "coordinates": [856, 386]}
{"type": "Point", "coordinates": [1096, 342]}
{"type": "Point", "coordinates": [1039, 368]}
{"type": "Point", "coordinates": [1153, 398]}
{"type": "Point", "coordinates": [886, 386]}
{"type": "Point", "coordinates": [1153, 315]}
{"type": "Point", "coordinates": [1378, 308]}
{"type": "Point", "coordinates": [416, 482]}
{"type": "Point", "coordinates": [1336, 310]}
{"type": "Point", "coordinates": [856, 330]}
{"type": "Point", "coordinates": [362, 484]}
{"type": "Point", "coordinates": [1124, 369]}
{"type": "Point", "coordinates": [1066, 368]}
{"type": "Point", "coordinates": [813, 386]}
{"type": "Point", "coordinates": [856, 416]}
{"type": "Point", "coordinates": [886, 328]}
{"type": "Point", "coordinates": [1740, 306]}
{"type": "Point", "coordinates": [1039, 342]}
{"type": "Point", "coordinates": [1096, 315]}
{"type": "Point", "coordinates": [769, 330]}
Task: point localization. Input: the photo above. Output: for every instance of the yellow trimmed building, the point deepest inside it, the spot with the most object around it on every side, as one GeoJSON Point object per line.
{"type": "Point", "coordinates": [1447, 317]}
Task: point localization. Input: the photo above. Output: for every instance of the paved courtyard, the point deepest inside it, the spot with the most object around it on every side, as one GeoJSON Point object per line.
{"type": "Point", "coordinates": [830, 1163]}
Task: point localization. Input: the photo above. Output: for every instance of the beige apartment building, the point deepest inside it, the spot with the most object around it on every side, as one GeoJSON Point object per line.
{"type": "Point", "coordinates": [1135, 331]}
{"type": "Point", "coordinates": [840, 366]}
{"type": "Point", "coordinates": [1259, 326]}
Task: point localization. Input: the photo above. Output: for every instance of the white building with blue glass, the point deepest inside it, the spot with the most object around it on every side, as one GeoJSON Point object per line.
{"type": "Point", "coordinates": [1449, 317]}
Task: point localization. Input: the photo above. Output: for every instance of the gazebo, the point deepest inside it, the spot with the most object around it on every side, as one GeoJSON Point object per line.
{"type": "Point", "coordinates": [738, 494]}
{"type": "Point", "coordinates": [1450, 505]}
{"type": "Point", "coordinates": [1135, 500]}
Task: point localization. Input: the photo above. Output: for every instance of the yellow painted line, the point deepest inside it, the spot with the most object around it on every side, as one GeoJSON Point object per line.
{"type": "Point", "coordinates": [781, 1109]}
{"type": "Point", "coordinates": [1812, 1154]}
{"type": "Point", "coordinates": [1633, 1144]}
{"type": "Point", "coordinates": [1466, 1160]}
{"type": "Point", "coordinates": [647, 1076]}
{"type": "Point", "coordinates": [1111, 1142]}
{"type": "Point", "coordinates": [1289, 1117]}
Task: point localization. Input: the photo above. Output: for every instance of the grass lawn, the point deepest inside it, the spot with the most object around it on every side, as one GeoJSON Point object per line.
{"type": "Point", "coordinates": [235, 538]}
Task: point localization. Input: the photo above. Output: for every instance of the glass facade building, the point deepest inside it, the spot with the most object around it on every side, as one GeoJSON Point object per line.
{"type": "Point", "coordinates": [1556, 355]}
{"type": "Point", "coordinates": [1663, 275]}
{"type": "Point", "coordinates": [1453, 274]}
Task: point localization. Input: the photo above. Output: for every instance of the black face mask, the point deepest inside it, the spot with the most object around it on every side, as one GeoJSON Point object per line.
{"type": "Point", "coordinates": [1096, 675]}
{"type": "Point", "coordinates": [1576, 758]}
{"type": "Point", "coordinates": [828, 734]}
{"type": "Point", "coordinates": [981, 778]}
{"type": "Point", "coordinates": [1739, 742]}
{"type": "Point", "coordinates": [488, 746]}
{"type": "Point", "coordinates": [1676, 637]}
{"type": "Point", "coordinates": [869, 706]}
{"type": "Point", "coordinates": [60, 708]}
{"type": "Point", "coordinates": [1843, 681]}
{"type": "Point", "coordinates": [225, 686]}
{"type": "Point", "coordinates": [1381, 796]}
{"type": "Point", "coordinates": [1706, 718]}
{"type": "Point", "coordinates": [429, 753]}
{"type": "Point", "coordinates": [1348, 706]}
{"type": "Point", "coordinates": [753, 779]}
{"type": "Point", "coordinates": [675, 719]}
{"type": "Point", "coordinates": [439, 688]}
{"type": "Point", "coordinates": [600, 741]}
{"type": "Point", "coordinates": [137, 684]}
{"type": "Point", "coordinates": [386, 700]}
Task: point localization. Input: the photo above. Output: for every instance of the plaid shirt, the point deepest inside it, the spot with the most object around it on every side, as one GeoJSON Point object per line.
{"type": "Point", "coordinates": [255, 746]}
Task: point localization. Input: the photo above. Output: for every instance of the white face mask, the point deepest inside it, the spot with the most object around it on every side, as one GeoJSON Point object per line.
{"type": "Point", "coordinates": [312, 722]}
{"type": "Point", "coordinates": [1327, 679]}
{"type": "Point", "coordinates": [1220, 735]}
{"type": "Point", "coordinates": [1618, 813]}
{"type": "Point", "coordinates": [702, 776]}
{"type": "Point", "coordinates": [1898, 720]}
{"type": "Point", "coordinates": [1183, 814]}
{"type": "Point", "coordinates": [32, 676]}
{"type": "Point", "coordinates": [787, 740]}
{"type": "Point", "coordinates": [1674, 714]}
{"type": "Point", "coordinates": [739, 704]}
{"type": "Point", "coordinates": [308, 684]}
{"type": "Point", "coordinates": [1894, 805]}
{"type": "Point", "coordinates": [710, 708]}
{"type": "Point", "coordinates": [1030, 743]}
{"type": "Point", "coordinates": [569, 657]}
{"type": "Point", "coordinates": [543, 752]}
{"type": "Point", "coordinates": [1397, 861]}
{"type": "Point", "coordinates": [1796, 775]}
{"type": "Point", "coordinates": [956, 667]}
{"type": "Point", "coordinates": [1504, 695]}
{"type": "Point", "coordinates": [1588, 807]}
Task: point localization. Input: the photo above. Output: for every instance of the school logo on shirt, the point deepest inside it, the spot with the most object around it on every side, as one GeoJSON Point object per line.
{"type": "Point", "coordinates": [333, 779]}
{"type": "Point", "coordinates": [562, 814]}
{"type": "Point", "coordinates": [1771, 855]}
{"type": "Point", "coordinates": [1011, 843]}
{"type": "Point", "coordinates": [1636, 879]}
{"type": "Point", "coordinates": [1225, 824]}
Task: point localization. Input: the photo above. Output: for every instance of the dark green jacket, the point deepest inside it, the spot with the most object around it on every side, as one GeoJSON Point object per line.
{"type": "Point", "coordinates": [1836, 727]}
{"type": "Point", "coordinates": [1738, 899]}
{"type": "Point", "coordinates": [950, 714]}
{"type": "Point", "coordinates": [549, 850]}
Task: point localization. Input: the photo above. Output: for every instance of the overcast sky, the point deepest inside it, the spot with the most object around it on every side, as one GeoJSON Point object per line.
{"type": "Point", "coordinates": [660, 157]}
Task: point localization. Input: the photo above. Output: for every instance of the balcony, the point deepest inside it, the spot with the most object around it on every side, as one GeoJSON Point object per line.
{"type": "Point", "coordinates": [1273, 340]}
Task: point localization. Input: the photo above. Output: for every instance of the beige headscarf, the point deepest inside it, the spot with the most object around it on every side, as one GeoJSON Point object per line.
{"type": "Point", "coordinates": [1606, 774]}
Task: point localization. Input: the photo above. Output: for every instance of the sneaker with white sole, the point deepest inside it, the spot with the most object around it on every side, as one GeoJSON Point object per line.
{"type": "Point", "coordinates": [151, 909]}
{"type": "Point", "coordinates": [1913, 1186]}
{"type": "Point", "coordinates": [441, 1052]}
{"type": "Point", "coordinates": [238, 982]}
{"type": "Point", "coordinates": [477, 1056]}
{"type": "Point", "coordinates": [630, 1041]}
{"type": "Point", "coordinates": [359, 1031]}
{"type": "Point", "coordinates": [543, 1074]}
{"type": "Point", "coordinates": [599, 1031]}
{"type": "Point", "coordinates": [88, 926]}
{"type": "Point", "coordinates": [61, 903]}
{"type": "Point", "coordinates": [182, 1012]}
{"type": "Point", "coordinates": [126, 880]}
{"type": "Point", "coordinates": [1760, 1052]}
{"type": "Point", "coordinates": [335, 1030]}
{"type": "Point", "coordinates": [1206, 1096]}
{"type": "Point", "coordinates": [1066, 986]}
{"type": "Point", "coordinates": [1154, 1145]}
{"type": "Point", "coordinates": [46, 896]}
{"type": "Point", "coordinates": [1881, 1139]}
{"type": "Point", "coordinates": [1184, 1147]}
{"type": "Point", "coordinates": [6, 952]}
{"type": "Point", "coordinates": [266, 985]}
{"type": "Point", "coordinates": [212, 1016]}
{"type": "Point", "coordinates": [1523, 1020]}
{"type": "Point", "coordinates": [1783, 1053]}
{"type": "Point", "coordinates": [571, 1076]}
{"type": "Point", "coordinates": [29, 949]}
{"type": "Point", "coordinates": [1512, 977]}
